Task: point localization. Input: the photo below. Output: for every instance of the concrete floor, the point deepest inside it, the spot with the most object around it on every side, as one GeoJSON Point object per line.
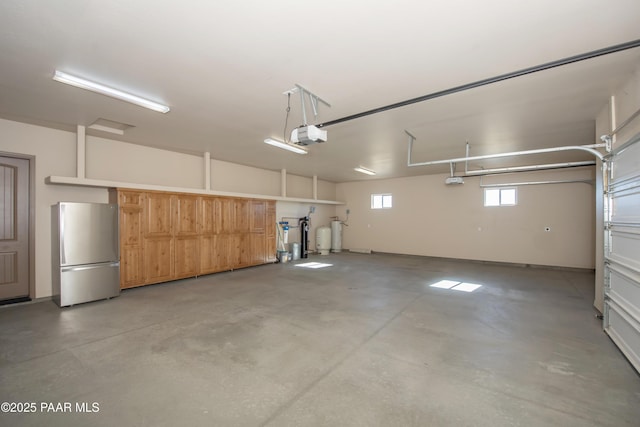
{"type": "Point", "coordinates": [365, 342]}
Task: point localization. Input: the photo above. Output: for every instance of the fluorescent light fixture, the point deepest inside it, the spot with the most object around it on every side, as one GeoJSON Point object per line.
{"type": "Point", "coordinates": [364, 170]}
{"type": "Point", "coordinates": [108, 91]}
{"type": "Point", "coordinates": [286, 146]}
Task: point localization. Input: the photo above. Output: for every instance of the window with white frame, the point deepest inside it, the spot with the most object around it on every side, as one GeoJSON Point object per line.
{"type": "Point", "coordinates": [500, 196]}
{"type": "Point", "coordinates": [381, 201]}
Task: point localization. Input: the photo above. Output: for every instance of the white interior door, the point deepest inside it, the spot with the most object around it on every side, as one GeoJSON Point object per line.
{"type": "Point", "coordinates": [622, 250]}
{"type": "Point", "coordinates": [14, 228]}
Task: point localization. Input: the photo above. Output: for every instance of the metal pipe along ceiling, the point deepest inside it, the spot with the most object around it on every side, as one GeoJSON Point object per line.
{"type": "Point", "coordinates": [587, 148]}
{"type": "Point", "coordinates": [529, 168]}
{"type": "Point", "coordinates": [519, 184]}
{"type": "Point", "coordinates": [549, 65]}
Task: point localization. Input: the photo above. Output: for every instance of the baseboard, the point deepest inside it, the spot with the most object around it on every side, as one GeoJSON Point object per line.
{"type": "Point", "coordinates": [476, 261]}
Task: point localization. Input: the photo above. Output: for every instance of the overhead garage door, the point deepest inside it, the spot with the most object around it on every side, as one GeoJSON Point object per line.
{"type": "Point", "coordinates": [622, 250]}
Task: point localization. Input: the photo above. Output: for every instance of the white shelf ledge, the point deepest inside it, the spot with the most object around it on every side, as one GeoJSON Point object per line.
{"type": "Point", "coordinates": [98, 183]}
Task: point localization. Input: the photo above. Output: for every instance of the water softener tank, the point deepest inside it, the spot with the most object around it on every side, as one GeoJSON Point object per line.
{"type": "Point", "coordinates": [304, 237]}
{"type": "Point", "coordinates": [323, 240]}
{"type": "Point", "coordinates": [336, 236]}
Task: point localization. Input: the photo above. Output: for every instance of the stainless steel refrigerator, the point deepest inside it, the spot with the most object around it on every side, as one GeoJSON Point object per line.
{"type": "Point", "coordinates": [85, 252]}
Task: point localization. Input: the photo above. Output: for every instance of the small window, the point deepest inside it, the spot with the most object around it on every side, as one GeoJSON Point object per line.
{"type": "Point", "coordinates": [381, 201]}
{"type": "Point", "coordinates": [500, 196]}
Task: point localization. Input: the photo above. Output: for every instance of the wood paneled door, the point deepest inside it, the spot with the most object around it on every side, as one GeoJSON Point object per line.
{"type": "Point", "coordinates": [14, 228]}
{"type": "Point", "coordinates": [187, 236]}
{"type": "Point", "coordinates": [131, 238]}
{"type": "Point", "coordinates": [208, 216]}
{"type": "Point", "coordinates": [159, 245]}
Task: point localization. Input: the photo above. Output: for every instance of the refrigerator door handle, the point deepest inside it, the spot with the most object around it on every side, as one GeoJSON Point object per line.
{"type": "Point", "coordinates": [63, 256]}
{"type": "Point", "coordinates": [89, 266]}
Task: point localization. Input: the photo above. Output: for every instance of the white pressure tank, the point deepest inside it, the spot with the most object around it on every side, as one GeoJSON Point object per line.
{"type": "Point", "coordinates": [323, 240]}
{"type": "Point", "coordinates": [336, 236]}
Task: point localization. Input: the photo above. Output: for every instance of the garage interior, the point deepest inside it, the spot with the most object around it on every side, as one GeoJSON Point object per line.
{"type": "Point", "coordinates": [366, 341]}
{"type": "Point", "coordinates": [479, 191]}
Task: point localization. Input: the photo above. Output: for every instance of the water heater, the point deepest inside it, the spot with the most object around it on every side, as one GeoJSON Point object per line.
{"type": "Point", "coordinates": [323, 240]}
{"type": "Point", "coordinates": [336, 236]}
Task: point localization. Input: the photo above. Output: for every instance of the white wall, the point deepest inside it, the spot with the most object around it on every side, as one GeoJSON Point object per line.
{"type": "Point", "coordinates": [119, 161]}
{"type": "Point", "coordinates": [227, 176]}
{"type": "Point", "coordinates": [326, 190]}
{"type": "Point", "coordinates": [432, 219]}
{"type": "Point", "coordinates": [627, 99]}
{"type": "Point", "coordinates": [55, 154]}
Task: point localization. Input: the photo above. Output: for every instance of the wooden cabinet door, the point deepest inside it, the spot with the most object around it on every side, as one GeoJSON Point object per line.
{"type": "Point", "coordinates": [245, 250]}
{"type": "Point", "coordinates": [233, 250]}
{"type": "Point", "coordinates": [131, 245]}
{"type": "Point", "coordinates": [258, 248]}
{"type": "Point", "coordinates": [239, 250]}
{"type": "Point", "coordinates": [208, 216]}
{"type": "Point", "coordinates": [257, 226]}
{"type": "Point", "coordinates": [223, 215]}
{"type": "Point", "coordinates": [187, 257]}
{"type": "Point", "coordinates": [270, 249]}
{"type": "Point", "coordinates": [270, 219]}
{"type": "Point", "coordinates": [257, 216]}
{"type": "Point", "coordinates": [240, 216]}
{"type": "Point", "coordinates": [131, 268]}
{"type": "Point", "coordinates": [159, 249]}
{"type": "Point", "coordinates": [207, 254]}
{"type": "Point", "coordinates": [186, 215]}
{"type": "Point", "coordinates": [158, 215]}
{"type": "Point", "coordinates": [131, 238]}
{"type": "Point", "coordinates": [185, 231]}
{"type": "Point", "coordinates": [207, 235]}
{"type": "Point", "coordinates": [222, 252]}
{"type": "Point", "coordinates": [158, 259]}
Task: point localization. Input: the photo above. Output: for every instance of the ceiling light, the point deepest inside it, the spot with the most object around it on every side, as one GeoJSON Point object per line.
{"type": "Point", "coordinates": [286, 146]}
{"type": "Point", "coordinates": [364, 170]}
{"type": "Point", "coordinates": [105, 90]}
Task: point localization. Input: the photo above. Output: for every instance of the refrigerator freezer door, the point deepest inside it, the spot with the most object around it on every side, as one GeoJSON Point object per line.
{"type": "Point", "coordinates": [86, 283]}
{"type": "Point", "coordinates": [88, 233]}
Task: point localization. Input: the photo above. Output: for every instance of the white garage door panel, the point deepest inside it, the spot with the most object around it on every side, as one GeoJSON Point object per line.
{"type": "Point", "coordinates": [626, 204]}
{"type": "Point", "coordinates": [622, 251]}
{"type": "Point", "coordinates": [624, 331]}
{"type": "Point", "coordinates": [627, 162]}
{"type": "Point", "coordinates": [625, 246]}
{"type": "Point", "coordinates": [624, 288]}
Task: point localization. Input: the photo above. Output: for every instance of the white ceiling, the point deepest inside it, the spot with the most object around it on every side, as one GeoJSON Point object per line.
{"type": "Point", "coordinates": [223, 66]}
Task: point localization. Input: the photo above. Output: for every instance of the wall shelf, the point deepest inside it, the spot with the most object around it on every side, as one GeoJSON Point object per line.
{"type": "Point", "coordinates": [97, 183]}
